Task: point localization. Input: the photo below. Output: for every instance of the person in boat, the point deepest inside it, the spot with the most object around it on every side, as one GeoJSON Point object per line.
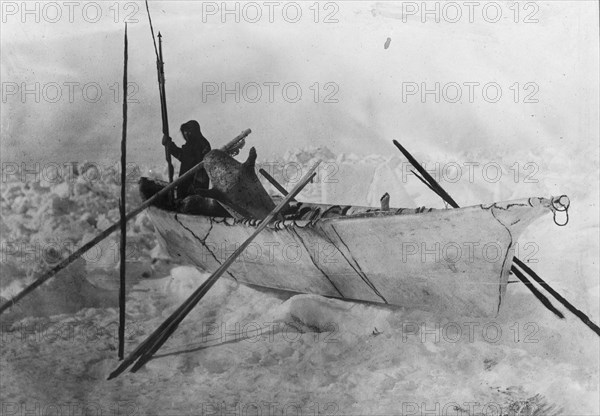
{"type": "Point", "coordinates": [189, 155]}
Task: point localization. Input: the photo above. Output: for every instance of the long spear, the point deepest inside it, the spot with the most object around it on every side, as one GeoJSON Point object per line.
{"type": "Point", "coordinates": [436, 187]}
{"type": "Point", "coordinates": [83, 249]}
{"type": "Point", "coordinates": [122, 296]}
{"type": "Point", "coordinates": [163, 107]}
{"type": "Point", "coordinates": [160, 71]}
{"type": "Point", "coordinates": [143, 353]}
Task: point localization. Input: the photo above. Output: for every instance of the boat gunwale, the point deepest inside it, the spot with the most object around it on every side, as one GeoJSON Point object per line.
{"type": "Point", "coordinates": [372, 213]}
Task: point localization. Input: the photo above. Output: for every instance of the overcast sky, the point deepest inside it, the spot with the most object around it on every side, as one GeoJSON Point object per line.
{"type": "Point", "coordinates": [541, 57]}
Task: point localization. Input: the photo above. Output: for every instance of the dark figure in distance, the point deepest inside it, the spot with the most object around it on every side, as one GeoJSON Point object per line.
{"type": "Point", "coordinates": [190, 154]}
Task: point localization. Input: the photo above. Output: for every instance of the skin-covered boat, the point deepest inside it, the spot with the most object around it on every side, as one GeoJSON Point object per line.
{"type": "Point", "coordinates": [434, 259]}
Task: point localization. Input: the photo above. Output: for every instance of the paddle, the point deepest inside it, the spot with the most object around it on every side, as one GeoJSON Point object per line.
{"type": "Point", "coordinates": [83, 249]}
{"type": "Point", "coordinates": [149, 346]}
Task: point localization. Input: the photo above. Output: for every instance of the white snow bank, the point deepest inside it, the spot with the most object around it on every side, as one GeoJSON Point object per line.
{"type": "Point", "coordinates": [312, 313]}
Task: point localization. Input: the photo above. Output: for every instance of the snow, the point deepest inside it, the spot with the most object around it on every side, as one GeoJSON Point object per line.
{"type": "Point", "coordinates": [246, 350]}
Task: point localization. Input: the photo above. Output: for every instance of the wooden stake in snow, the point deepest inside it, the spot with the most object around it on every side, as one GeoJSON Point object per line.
{"type": "Point", "coordinates": [233, 144]}
{"type": "Point", "coordinates": [122, 209]}
{"type": "Point", "coordinates": [143, 353]}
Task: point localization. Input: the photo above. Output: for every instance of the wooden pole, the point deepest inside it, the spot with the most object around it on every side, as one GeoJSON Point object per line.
{"type": "Point", "coordinates": [122, 295]}
{"type": "Point", "coordinates": [430, 181]}
{"type": "Point", "coordinates": [163, 192]}
{"type": "Point", "coordinates": [161, 91]}
{"type": "Point", "coordinates": [148, 347]}
{"type": "Point", "coordinates": [163, 107]}
{"type": "Point", "coordinates": [582, 316]}
{"type": "Point", "coordinates": [276, 184]}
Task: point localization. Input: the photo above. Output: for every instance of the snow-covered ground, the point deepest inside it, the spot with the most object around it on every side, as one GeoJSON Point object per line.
{"type": "Point", "coordinates": [245, 351]}
{"type": "Point", "coordinates": [249, 351]}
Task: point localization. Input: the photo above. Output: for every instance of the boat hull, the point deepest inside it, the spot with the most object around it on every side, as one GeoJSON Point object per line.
{"type": "Point", "coordinates": [440, 260]}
